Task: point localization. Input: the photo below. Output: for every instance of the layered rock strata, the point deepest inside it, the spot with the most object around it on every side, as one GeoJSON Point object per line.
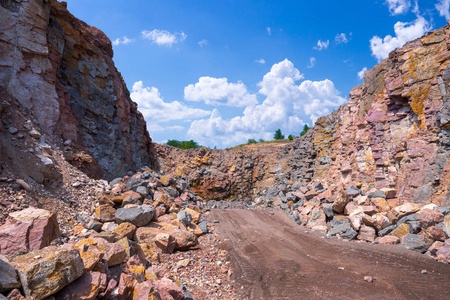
{"type": "Point", "coordinates": [57, 75]}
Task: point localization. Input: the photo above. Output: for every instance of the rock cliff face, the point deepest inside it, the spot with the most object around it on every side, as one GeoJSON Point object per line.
{"type": "Point", "coordinates": [57, 77]}
{"type": "Point", "coordinates": [393, 133]}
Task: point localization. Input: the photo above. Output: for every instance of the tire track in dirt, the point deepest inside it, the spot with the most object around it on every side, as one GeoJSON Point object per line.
{"type": "Point", "coordinates": [274, 258]}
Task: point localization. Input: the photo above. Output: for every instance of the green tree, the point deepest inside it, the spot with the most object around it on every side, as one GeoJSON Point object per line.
{"type": "Point", "coordinates": [305, 130]}
{"type": "Point", "coordinates": [290, 137]}
{"type": "Point", "coordinates": [262, 141]}
{"type": "Point", "coordinates": [183, 144]}
{"type": "Point", "coordinates": [278, 135]}
{"type": "Point", "coordinates": [252, 141]}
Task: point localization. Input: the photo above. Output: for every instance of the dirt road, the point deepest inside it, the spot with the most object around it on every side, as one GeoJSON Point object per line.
{"type": "Point", "coordinates": [274, 258]}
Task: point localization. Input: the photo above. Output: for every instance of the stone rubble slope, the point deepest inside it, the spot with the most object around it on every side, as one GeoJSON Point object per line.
{"type": "Point", "coordinates": [116, 252]}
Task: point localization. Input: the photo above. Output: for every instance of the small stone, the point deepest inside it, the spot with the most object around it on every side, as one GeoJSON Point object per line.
{"type": "Point", "coordinates": [35, 134]}
{"type": "Point", "coordinates": [401, 231]}
{"type": "Point", "coordinates": [105, 213]}
{"type": "Point", "coordinates": [12, 130]}
{"type": "Point", "coordinates": [368, 279]}
{"type": "Point", "coordinates": [424, 272]}
{"type": "Point", "coordinates": [184, 217]}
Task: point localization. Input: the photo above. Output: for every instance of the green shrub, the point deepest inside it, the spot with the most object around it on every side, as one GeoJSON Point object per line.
{"type": "Point", "coordinates": [252, 141]}
{"type": "Point", "coordinates": [290, 137]}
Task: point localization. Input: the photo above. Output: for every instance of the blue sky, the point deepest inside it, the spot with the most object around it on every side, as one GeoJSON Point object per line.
{"type": "Point", "coordinates": [221, 72]}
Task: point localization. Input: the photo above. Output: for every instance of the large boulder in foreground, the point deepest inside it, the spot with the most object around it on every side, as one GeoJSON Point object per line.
{"type": "Point", "coordinates": [45, 272]}
{"type": "Point", "coordinates": [28, 230]}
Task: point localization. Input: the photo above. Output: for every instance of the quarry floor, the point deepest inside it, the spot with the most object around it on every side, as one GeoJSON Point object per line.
{"type": "Point", "coordinates": [274, 258]}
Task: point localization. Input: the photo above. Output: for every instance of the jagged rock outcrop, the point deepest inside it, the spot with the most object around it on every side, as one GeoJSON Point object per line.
{"type": "Point", "coordinates": [393, 133]}
{"type": "Point", "coordinates": [58, 79]}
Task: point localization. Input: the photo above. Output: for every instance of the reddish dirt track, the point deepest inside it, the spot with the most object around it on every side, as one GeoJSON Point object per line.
{"type": "Point", "coordinates": [274, 258]}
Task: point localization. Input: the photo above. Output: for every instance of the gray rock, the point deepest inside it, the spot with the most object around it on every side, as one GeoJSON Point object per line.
{"type": "Point", "coordinates": [184, 217]}
{"type": "Point", "coordinates": [445, 210]}
{"type": "Point", "coordinates": [143, 190]}
{"type": "Point", "coordinates": [134, 183]}
{"type": "Point", "coordinates": [414, 226]}
{"type": "Point", "coordinates": [377, 194]}
{"type": "Point", "coordinates": [317, 186]}
{"type": "Point", "coordinates": [115, 181]}
{"type": "Point", "coordinates": [203, 226]}
{"type": "Point", "coordinates": [290, 197]}
{"type": "Point", "coordinates": [271, 193]}
{"type": "Point", "coordinates": [8, 276]}
{"type": "Point", "coordinates": [187, 294]}
{"type": "Point", "coordinates": [284, 206]}
{"type": "Point", "coordinates": [340, 229]}
{"type": "Point", "coordinates": [295, 186]}
{"type": "Point", "coordinates": [352, 191]}
{"type": "Point", "coordinates": [3, 297]}
{"type": "Point", "coordinates": [349, 234]}
{"type": "Point", "coordinates": [172, 192]}
{"type": "Point", "coordinates": [329, 212]}
{"type": "Point", "coordinates": [12, 130]}
{"type": "Point", "coordinates": [138, 216]}
{"type": "Point", "coordinates": [94, 225]}
{"type": "Point", "coordinates": [336, 222]}
{"type": "Point", "coordinates": [408, 219]}
{"type": "Point", "coordinates": [423, 194]}
{"type": "Point", "coordinates": [386, 230]}
{"type": "Point", "coordinates": [181, 185]}
{"type": "Point", "coordinates": [415, 242]}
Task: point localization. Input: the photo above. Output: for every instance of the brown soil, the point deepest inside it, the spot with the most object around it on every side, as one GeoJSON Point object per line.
{"type": "Point", "coordinates": [273, 258]}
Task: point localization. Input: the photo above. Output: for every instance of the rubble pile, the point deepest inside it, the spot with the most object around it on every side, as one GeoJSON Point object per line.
{"type": "Point", "coordinates": [140, 242]}
{"type": "Point", "coordinates": [373, 215]}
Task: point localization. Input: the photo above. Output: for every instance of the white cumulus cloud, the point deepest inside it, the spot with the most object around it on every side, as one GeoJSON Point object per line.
{"type": "Point", "coordinates": [398, 7]}
{"type": "Point", "coordinates": [123, 40]}
{"type": "Point", "coordinates": [163, 37]}
{"type": "Point", "coordinates": [322, 45]}
{"type": "Point", "coordinates": [361, 73]}
{"type": "Point", "coordinates": [341, 38]}
{"type": "Point", "coordinates": [443, 6]}
{"type": "Point", "coordinates": [156, 110]}
{"type": "Point", "coordinates": [404, 32]}
{"type": "Point", "coordinates": [261, 61]}
{"type": "Point", "coordinates": [269, 30]}
{"type": "Point", "coordinates": [287, 106]}
{"type": "Point", "coordinates": [218, 91]}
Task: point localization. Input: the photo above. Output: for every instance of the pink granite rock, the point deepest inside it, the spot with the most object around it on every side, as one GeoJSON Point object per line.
{"type": "Point", "coordinates": [28, 230]}
{"type": "Point", "coordinates": [169, 289]}
{"type": "Point", "coordinates": [429, 217]}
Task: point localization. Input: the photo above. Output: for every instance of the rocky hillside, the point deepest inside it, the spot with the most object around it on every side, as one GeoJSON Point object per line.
{"type": "Point", "coordinates": [60, 89]}
{"type": "Point", "coordinates": [393, 133]}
